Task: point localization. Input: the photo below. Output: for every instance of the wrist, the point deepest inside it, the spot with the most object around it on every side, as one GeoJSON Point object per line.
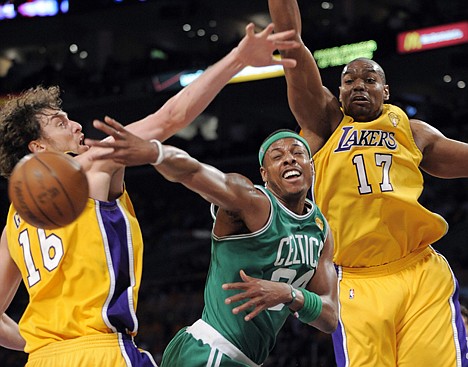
{"type": "Point", "coordinates": [159, 147]}
{"type": "Point", "coordinates": [293, 296]}
{"type": "Point", "coordinates": [238, 59]}
{"type": "Point", "coordinates": [312, 307]}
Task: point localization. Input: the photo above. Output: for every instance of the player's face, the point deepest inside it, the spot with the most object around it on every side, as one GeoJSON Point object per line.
{"type": "Point", "coordinates": [60, 133]}
{"type": "Point", "coordinates": [362, 91]}
{"type": "Point", "coordinates": [287, 168]}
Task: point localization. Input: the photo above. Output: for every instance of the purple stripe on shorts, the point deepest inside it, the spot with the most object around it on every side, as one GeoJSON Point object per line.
{"type": "Point", "coordinates": [460, 327]}
{"type": "Point", "coordinates": [118, 312]}
{"type": "Point", "coordinates": [138, 358]}
{"type": "Point", "coordinates": [338, 346]}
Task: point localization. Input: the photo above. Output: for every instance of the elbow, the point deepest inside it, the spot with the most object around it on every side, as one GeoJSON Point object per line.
{"type": "Point", "coordinates": [329, 325]}
{"type": "Point", "coordinates": [328, 320]}
{"type": "Point", "coordinates": [332, 324]}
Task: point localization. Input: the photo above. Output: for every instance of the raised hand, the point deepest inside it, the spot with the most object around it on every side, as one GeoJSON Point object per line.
{"type": "Point", "coordinates": [256, 49]}
{"type": "Point", "coordinates": [122, 146]}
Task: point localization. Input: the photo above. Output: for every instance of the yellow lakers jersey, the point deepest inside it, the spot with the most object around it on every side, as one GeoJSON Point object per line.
{"type": "Point", "coordinates": [367, 185]}
{"type": "Point", "coordinates": [82, 279]}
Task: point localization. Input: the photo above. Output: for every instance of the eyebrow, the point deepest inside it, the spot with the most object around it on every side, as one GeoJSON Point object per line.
{"type": "Point", "coordinates": [58, 114]}
{"type": "Point", "coordinates": [368, 70]}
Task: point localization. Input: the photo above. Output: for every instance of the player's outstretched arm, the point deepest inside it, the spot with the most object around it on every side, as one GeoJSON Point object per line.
{"type": "Point", "coordinates": [315, 108]}
{"type": "Point", "coordinates": [442, 157]}
{"type": "Point", "coordinates": [232, 192]}
{"type": "Point", "coordinates": [255, 49]}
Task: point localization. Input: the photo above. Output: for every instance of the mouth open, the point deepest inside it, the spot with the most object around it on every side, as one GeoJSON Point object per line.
{"type": "Point", "coordinates": [291, 174]}
{"type": "Point", "coordinates": [359, 99]}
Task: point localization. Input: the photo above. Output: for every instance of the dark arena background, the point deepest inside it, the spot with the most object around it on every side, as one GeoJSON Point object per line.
{"type": "Point", "coordinates": [126, 58]}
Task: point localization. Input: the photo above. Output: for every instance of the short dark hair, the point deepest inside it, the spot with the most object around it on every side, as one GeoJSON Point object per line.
{"type": "Point", "coordinates": [19, 123]}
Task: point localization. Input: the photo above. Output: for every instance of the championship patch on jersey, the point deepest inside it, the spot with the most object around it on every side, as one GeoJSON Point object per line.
{"type": "Point", "coordinates": [394, 118]}
{"type": "Point", "coordinates": [319, 223]}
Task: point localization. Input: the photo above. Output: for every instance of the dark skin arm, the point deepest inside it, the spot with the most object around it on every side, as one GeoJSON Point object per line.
{"type": "Point", "coordinates": [315, 108]}
{"type": "Point", "coordinates": [231, 192]}
{"type": "Point", "coordinates": [442, 157]}
{"type": "Point", "coordinates": [260, 294]}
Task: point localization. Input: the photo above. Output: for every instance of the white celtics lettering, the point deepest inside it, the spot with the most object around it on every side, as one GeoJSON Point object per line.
{"type": "Point", "coordinates": [298, 249]}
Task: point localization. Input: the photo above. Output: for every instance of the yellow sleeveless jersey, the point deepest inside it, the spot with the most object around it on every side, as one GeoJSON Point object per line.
{"type": "Point", "coordinates": [82, 279]}
{"type": "Point", "coordinates": [367, 185]}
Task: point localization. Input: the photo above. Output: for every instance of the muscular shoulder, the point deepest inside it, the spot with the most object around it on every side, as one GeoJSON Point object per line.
{"type": "Point", "coordinates": [424, 134]}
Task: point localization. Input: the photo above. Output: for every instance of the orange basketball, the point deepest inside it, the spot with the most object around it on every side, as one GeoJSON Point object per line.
{"type": "Point", "coordinates": [48, 189]}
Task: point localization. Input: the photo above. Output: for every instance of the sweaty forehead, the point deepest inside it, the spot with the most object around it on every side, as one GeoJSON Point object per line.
{"type": "Point", "coordinates": [361, 67]}
{"type": "Point", "coordinates": [354, 68]}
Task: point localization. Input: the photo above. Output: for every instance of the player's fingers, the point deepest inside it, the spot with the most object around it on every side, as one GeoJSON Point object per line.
{"type": "Point", "coordinates": [238, 285]}
{"type": "Point", "coordinates": [113, 122]}
{"type": "Point", "coordinates": [236, 298]}
{"type": "Point", "coordinates": [251, 304]}
{"type": "Point", "coordinates": [286, 45]}
{"type": "Point", "coordinates": [117, 127]}
{"type": "Point", "coordinates": [106, 143]}
{"type": "Point", "coordinates": [254, 313]}
{"type": "Point", "coordinates": [249, 30]}
{"type": "Point", "coordinates": [117, 131]}
{"type": "Point", "coordinates": [244, 276]}
{"type": "Point", "coordinates": [287, 63]}
{"type": "Point", "coordinates": [282, 35]}
{"type": "Point", "coordinates": [104, 127]}
{"type": "Point", "coordinates": [267, 31]}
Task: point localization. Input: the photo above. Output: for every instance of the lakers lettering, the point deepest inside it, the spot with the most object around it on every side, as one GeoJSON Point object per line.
{"type": "Point", "coordinates": [298, 249]}
{"type": "Point", "coordinates": [351, 138]}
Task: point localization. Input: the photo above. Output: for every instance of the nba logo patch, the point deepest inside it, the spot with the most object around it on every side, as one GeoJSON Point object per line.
{"type": "Point", "coordinates": [351, 293]}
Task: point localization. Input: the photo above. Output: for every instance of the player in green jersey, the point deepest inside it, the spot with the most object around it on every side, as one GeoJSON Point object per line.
{"type": "Point", "coordinates": [271, 249]}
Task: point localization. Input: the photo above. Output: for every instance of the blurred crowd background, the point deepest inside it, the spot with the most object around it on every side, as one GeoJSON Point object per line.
{"type": "Point", "coordinates": [126, 58]}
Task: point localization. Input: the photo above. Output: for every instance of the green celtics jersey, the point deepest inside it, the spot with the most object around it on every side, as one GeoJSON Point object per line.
{"type": "Point", "coordinates": [286, 249]}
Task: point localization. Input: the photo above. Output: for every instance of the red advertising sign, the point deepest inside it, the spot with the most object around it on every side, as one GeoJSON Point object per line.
{"type": "Point", "coordinates": [433, 37]}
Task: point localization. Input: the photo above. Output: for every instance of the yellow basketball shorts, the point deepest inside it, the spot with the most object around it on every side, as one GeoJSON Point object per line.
{"type": "Point", "coordinates": [103, 350]}
{"type": "Point", "coordinates": [403, 314]}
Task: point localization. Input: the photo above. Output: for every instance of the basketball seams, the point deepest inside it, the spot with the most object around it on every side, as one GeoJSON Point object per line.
{"type": "Point", "coordinates": [32, 198]}
{"type": "Point", "coordinates": [55, 199]}
{"type": "Point", "coordinates": [53, 173]}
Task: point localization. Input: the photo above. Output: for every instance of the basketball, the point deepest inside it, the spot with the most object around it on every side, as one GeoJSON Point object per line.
{"type": "Point", "coordinates": [48, 189]}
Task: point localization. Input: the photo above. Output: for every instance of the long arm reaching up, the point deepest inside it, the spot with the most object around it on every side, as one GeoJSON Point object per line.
{"type": "Point", "coordinates": [315, 108]}
{"type": "Point", "coordinates": [255, 49]}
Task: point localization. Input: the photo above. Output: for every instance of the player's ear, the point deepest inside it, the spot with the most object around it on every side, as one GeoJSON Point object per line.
{"type": "Point", "coordinates": [386, 92]}
{"type": "Point", "coordinates": [35, 146]}
{"type": "Point", "coordinates": [264, 174]}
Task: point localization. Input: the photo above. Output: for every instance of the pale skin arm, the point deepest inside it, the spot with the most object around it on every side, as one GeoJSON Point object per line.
{"type": "Point", "coordinates": [10, 278]}
{"type": "Point", "coordinates": [315, 108]}
{"type": "Point", "coordinates": [260, 294]}
{"type": "Point", "coordinates": [442, 157]}
{"type": "Point", "coordinates": [255, 49]}
{"type": "Point", "coordinates": [9, 334]}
